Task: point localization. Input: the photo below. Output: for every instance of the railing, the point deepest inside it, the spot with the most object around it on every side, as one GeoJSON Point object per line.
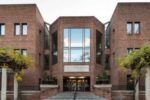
{"type": "Point", "coordinates": [75, 94]}
{"type": "Point", "coordinates": [23, 88]}
{"type": "Point", "coordinates": [29, 87]}
{"type": "Point", "coordinates": [127, 87]}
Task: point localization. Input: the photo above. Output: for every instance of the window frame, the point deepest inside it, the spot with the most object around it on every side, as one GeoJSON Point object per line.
{"type": "Point", "coordinates": [1, 33]}
{"type": "Point", "coordinates": [139, 28]}
{"type": "Point", "coordinates": [69, 47]}
{"type": "Point", "coordinates": [22, 28]}
{"type": "Point", "coordinates": [21, 51]}
{"type": "Point", "coordinates": [131, 31]}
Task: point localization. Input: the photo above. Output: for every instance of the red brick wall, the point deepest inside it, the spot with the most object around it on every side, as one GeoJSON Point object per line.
{"type": "Point", "coordinates": [25, 13]}
{"type": "Point", "coordinates": [65, 22]}
{"type": "Point", "coordinates": [126, 95]}
{"type": "Point", "coordinates": [120, 41]}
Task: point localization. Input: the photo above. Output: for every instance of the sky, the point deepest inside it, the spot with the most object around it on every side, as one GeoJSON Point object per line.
{"type": "Point", "coordinates": [52, 9]}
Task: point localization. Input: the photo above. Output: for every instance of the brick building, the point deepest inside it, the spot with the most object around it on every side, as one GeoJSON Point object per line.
{"type": "Point", "coordinates": [76, 50]}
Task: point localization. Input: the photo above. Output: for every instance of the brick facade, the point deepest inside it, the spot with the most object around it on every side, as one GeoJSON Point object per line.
{"type": "Point", "coordinates": [78, 22]}
{"type": "Point", "coordinates": [120, 40]}
{"type": "Point", "coordinates": [34, 43]}
{"type": "Point", "coordinates": [11, 14]}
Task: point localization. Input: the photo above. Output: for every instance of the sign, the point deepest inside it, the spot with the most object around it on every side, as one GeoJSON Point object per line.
{"type": "Point", "coordinates": [76, 68]}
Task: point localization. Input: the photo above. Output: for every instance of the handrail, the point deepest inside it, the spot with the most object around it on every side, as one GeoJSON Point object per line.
{"type": "Point", "coordinates": [75, 94]}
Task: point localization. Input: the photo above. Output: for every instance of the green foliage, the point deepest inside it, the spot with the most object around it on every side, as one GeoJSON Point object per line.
{"type": "Point", "coordinates": [103, 79]}
{"type": "Point", "coordinates": [48, 79]}
{"type": "Point", "coordinates": [14, 60]}
{"type": "Point", "coordinates": [137, 60]}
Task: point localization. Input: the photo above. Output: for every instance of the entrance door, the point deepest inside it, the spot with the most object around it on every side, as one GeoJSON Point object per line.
{"type": "Point", "coordinates": [76, 83]}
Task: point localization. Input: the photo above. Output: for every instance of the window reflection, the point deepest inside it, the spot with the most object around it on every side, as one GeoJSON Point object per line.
{"type": "Point", "coordinates": [87, 55]}
{"type": "Point", "coordinates": [76, 38]}
{"type": "Point", "coordinates": [129, 27]}
{"type": "Point", "coordinates": [87, 39]}
{"type": "Point", "coordinates": [2, 29]}
{"type": "Point", "coordinates": [136, 27]}
{"type": "Point", "coordinates": [76, 45]}
{"type": "Point", "coordinates": [24, 29]}
{"type": "Point", "coordinates": [76, 55]}
{"type": "Point", "coordinates": [66, 55]}
{"type": "Point", "coordinates": [66, 37]}
{"type": "Point", "coordinates": [98, 47]}
{"type": "Point", "coordinates": [17, 29]}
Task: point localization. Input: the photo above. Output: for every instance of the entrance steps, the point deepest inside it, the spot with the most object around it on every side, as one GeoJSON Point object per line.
{"type": "Point", "coordinates": [79, 96]}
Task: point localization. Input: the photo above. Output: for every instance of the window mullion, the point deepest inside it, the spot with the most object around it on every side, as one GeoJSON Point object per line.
{"type": "Point", "coordinates": [83, 47]}
{"type": "Point", "coordinates": [69, 44]}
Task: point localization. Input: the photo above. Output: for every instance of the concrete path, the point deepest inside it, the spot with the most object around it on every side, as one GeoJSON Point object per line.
{"type": "Point", "coordinates": [79, 96]}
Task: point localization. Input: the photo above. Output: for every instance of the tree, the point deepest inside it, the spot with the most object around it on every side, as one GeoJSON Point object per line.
{"type": "Point", "coordinates": [17, 63]}
{"type": "Point", "coordinates": [138, 61]}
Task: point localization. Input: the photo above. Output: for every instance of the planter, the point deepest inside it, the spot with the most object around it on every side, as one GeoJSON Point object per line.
{"type": "Point", "coordinates": [103, 90]}
{"type": "Point", "coordinates": [48, 86]}
{"type": "Point", "coordinates": [48, 90]}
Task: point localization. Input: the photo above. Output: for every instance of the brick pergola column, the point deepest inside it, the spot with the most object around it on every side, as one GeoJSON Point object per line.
{"type": "Point", "coordinates": [4, 84]}
{"type": "Point", "coordinates": [147, 84]}
{"type": "Point", "coordinates": [15, 88]}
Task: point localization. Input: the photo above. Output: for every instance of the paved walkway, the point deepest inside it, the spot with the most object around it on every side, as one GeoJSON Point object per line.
{"type": "Point", "coordinates": [80, 96]}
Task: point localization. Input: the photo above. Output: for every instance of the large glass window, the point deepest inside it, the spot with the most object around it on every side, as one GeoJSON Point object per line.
{"type": "Point", "coordinates": [46, 62]}
{"type": "Point", "coordinates": [46, 36]}
{"type": "Point", "coordinates": [98, 47]}
{"type": "Point", "coordinates": [76, 45]}
{"type": "Point", "coordinates": [54, 48]}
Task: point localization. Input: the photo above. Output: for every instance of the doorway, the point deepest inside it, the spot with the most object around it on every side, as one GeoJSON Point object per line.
{"type": "Point", "coordinates": [76, 83]}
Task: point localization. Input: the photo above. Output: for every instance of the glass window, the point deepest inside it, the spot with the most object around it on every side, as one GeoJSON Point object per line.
{"type": "Point", "coordinates": [98, 47]}
{"type": "Point", "coordinates": [129, 50]}
{"type": "Point", "coordinates": [66, 37]}
{"type": "Point", "coordinates": [76, 55]}
{"type": "Point", "coordinates": [76, 45]}
{"type": "Point", "coordinates": [129, 27]}
{"type": "Point", "coordinates": [17, 50]}
{"type": "Point", "coordinates": [17, 29]}
{"type": "Point", "coordinates": [136, 27]}
{"type": "Point", "coordinates": [87, 37]}
{"type": "Point", "coordinates": [24, 29]}
{"type": "Point", "coordinates": [46, 62]}
{"type": "Point", "coordinates": [46, 36]}
{"type": "Point", "coordinates": [76, 38]}
{"type": "Point", "coordinates": [66, 55]}
{"type": "Point", "coordinates": [130, 82]}
{"type": "Point", "coordinates": [24, 52]}
{"type": "Point", "coordinates": [54, 48]}
{"type": "Point", "coordinates": [2, 29]}
{"type": "Point", "coordinates": [21, 51]}
{"type": "Point", "coordinates": [107, 61]}
{"type": "Point", "coordinates": [86, 55]}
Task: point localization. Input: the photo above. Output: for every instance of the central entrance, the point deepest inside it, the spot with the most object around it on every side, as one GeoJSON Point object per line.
{"type": "Point", "coordinates": [76, 83]}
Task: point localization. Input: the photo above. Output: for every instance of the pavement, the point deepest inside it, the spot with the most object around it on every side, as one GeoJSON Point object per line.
{"type": "Point", "coordinates": [79, 96]}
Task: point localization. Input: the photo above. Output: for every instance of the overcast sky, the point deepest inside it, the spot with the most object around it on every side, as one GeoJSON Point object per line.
{"type": "Point", "coordinates": [52, 9]}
